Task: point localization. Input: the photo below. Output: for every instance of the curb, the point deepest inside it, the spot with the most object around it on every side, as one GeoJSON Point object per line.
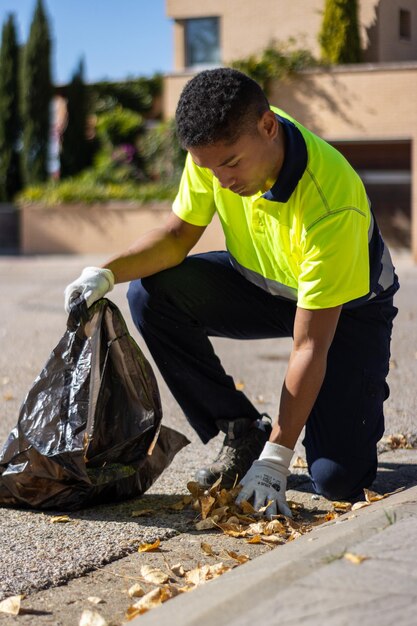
{"type": "Point", "coordinates": [235, 593]}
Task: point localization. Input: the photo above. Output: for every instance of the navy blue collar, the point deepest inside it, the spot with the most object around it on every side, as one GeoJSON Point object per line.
{"type": "Point", "coordinates": [295, 163]}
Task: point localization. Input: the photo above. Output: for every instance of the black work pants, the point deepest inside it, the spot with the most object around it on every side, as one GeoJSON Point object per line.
{"type": "Point", "coordinates": [178, 309]}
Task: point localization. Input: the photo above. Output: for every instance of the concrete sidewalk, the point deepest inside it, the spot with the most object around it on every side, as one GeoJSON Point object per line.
{"type": "Point", "coordinates": [36, 555]}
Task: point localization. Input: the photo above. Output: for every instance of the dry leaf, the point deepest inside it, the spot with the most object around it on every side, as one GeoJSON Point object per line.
{"type": "Point", "coordinates": [95, 600]}
{"type": "Point", "coordinates": [8, 396]}
{"type": "Point", "coordinates": [195, 489]}
{"type": "Point", "coordinates": [240, 558]}
{"type": "Point", "coordinates": [359, 505]}
{"type": "Point", "coordinates": [207, 549]}
{"type": "Point", "coordinates": [11, 605]}
{"type": "Point", "coordinates": [136, 591]}
{"type": "Point", "coordinates": [233, 530]}
{"type": "Point", "coordinates": [206, 503]}
{"type": "Point", "coordinates": [263, 508]}
{"type": "Point", "coordinates": [357, 559]}
{"type": "Point", "coordinates": [300, 463]}
{"type": "Point", "coordinates": [149, 601]}
{"type": "Point", "coordinates": [178, 506]}
{"type": "Point", "coordinates": [342, 506]}
{"type": "Point", "coordinates": [60, 519]}
{"type": "Point", "coordinates": [198, 575]}
{"type": "Point", "coordinates": [247, 507]}
{"type": "Point", "coordinates": [254, 539]}
{"type": "Point", "coordinates": [141, 512]}
{"type": "Point", "coordinates": [206, 524]}
{"type": "Point", "coordinates": [273, 539]}
{"type": "Point", "coordinates": [240, 385]}
{"type": "Point", "coordinates": [92, 618]}
{"type": "Point", "coordinates": [150, 547]}
{"type": "Point", "coordinates": [153, 575]}
{"type": "Point", "coordinates": [372, 496]}
{"type": "Point", "coordinates": [178, 570]}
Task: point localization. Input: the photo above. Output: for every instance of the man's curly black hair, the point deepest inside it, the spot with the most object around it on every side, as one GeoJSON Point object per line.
{"type": "Point", "coordinates": [218, 105]}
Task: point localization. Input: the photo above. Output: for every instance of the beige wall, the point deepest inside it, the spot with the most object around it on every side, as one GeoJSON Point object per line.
{"type": "Point", "coordinates": [351, 102]}
{"type": "Point", "coordinates": [247, 27]}
{"type": "Point", "coordinates": [97, 229]}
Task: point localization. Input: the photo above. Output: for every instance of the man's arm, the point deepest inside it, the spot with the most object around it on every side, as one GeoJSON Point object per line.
{"type": "Point", "coordinates": [313, 335]}
{"type": "Point", "coordinates": [266, 480]}
{"type": "Point", "coordinates": [155, 251]}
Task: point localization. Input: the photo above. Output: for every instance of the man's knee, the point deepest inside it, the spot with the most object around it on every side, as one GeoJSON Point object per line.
{"type": "Point", "coordinates": [338, 480]}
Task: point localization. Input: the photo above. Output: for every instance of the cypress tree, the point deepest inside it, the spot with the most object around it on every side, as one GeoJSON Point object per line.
{"type": "Point", "coordinates": [9, 116]}
{"type": "Point", "coordinates": [74, 151]}
{"type": "Point", "coordinates": [339, 34]}
{"type": "Point", "coordinates": [36, 98]}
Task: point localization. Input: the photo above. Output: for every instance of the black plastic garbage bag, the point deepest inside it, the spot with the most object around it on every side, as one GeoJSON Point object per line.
{"type": "Point", "coordinates": [89, 430]}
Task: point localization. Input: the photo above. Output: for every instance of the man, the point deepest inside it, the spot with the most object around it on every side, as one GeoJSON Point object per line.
{"type": "Point", "coordinates": [304, 259]}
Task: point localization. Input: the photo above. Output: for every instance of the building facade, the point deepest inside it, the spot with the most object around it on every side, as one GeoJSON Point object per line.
{"type": "Point", "coordinates": [368, 111]}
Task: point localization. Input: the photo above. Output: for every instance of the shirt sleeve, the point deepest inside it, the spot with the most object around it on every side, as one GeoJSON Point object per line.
{"type": "Point", "coordinates": [194, 202]}
{"type": "Point", "coordinates": [335, 262]}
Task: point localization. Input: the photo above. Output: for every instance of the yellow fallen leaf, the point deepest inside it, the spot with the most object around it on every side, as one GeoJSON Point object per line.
{"type": "Point", "coordinates": [141, 512]}
{"type": "Point", "coordinates": [240, 385]}
{"type": "Point", "coordinates": [207, 549]}
{"type": "Point", "coordinates": [150, 547]}
{"type": "Point", "coordinates": [178, 569]}
{"type": "Point", "coordinates": [195, 489]}
{"type": "Point", "coordinates": [254, 539]}
{"type": "Point", "coordinates": [300, 463]}
{"type": "Point", "coordinates": [247, 507]}
{"type": "Point", "coordinates": [264, 508]}
{"type": "Point", "coordinates": [91, 618]}
{"type": "Point", "coordinates": [342, 506]}
{"type": "Point", "coordinates": [240, 558]}
{"type": "Point", "coordinates": [217, 570]}
{"type": "Point", "coordinates": [11, 605]}
{"type": "Point", "coordinates": [357, 559]}
{"type": "Point", "coordinates": [372, 496]}
{"type": "Point", "coordinates": [153, 575]}
{"type": "Point", "coordinates": [206, 524]}
{"type": "Point", "coordinates": [276, 539]}
{"type": "Point", "coordinates": [206, 503]}
{"type": "Point", "coordinates": [198, 575]}
{"type": "Point", "coordinates": [359, 505]}
{"type": "Point", "coordinates": [149, 601]}
{"type": "Point", "coordinates": [136, 591]}
{"type": "Point", "coordinates": [60, 519]}
{"type": "Point", "coordinates": [233, 530]}
{"type": "Point", "coordinates": [273, 527]}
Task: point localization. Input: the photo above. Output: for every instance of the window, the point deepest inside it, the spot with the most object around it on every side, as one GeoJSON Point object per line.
{"type": "Point", "coordinates": [405, 24]}
{"type": "Point", "coordinates": [202, 45]}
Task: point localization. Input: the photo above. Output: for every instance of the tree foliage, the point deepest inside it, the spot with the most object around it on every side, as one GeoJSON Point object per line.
{"type": "Point", "coordinates": [74, 151]}
{"type": "Point", "coordinates": [339, 35]}
{"type": "Point", "coordinates": [9, 115]}
{"type": "Point", "coordinates": [36, 98]}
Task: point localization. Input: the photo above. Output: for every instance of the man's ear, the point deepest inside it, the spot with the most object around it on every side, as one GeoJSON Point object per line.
{"type": "Point", "coordinates": [268, 125]}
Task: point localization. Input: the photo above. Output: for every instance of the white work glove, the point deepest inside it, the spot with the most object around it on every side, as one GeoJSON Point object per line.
{"type": "Point", "coordinates": [93, 284]}
{"type": "Point", "coordinates": [266, 480]}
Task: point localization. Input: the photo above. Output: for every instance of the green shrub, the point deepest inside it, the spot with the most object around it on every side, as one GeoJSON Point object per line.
{"type": "Point", "coordinates": [161, 152]}
{"type": "Point", "coordinates": [276, 62]}
{"type": "Point", "coordinates": [85, 189]}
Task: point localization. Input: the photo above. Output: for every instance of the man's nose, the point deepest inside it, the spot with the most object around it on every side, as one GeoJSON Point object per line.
{"type": "Point", "coordinates": [226, 179]}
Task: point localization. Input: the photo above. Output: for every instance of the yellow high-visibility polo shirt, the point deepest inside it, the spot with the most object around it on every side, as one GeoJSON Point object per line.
{"type": "Point", "coordinates": [307, 238]}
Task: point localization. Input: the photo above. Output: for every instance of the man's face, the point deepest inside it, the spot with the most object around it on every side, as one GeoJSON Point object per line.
{"type": "Point", "coordinates": [250, 164]}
